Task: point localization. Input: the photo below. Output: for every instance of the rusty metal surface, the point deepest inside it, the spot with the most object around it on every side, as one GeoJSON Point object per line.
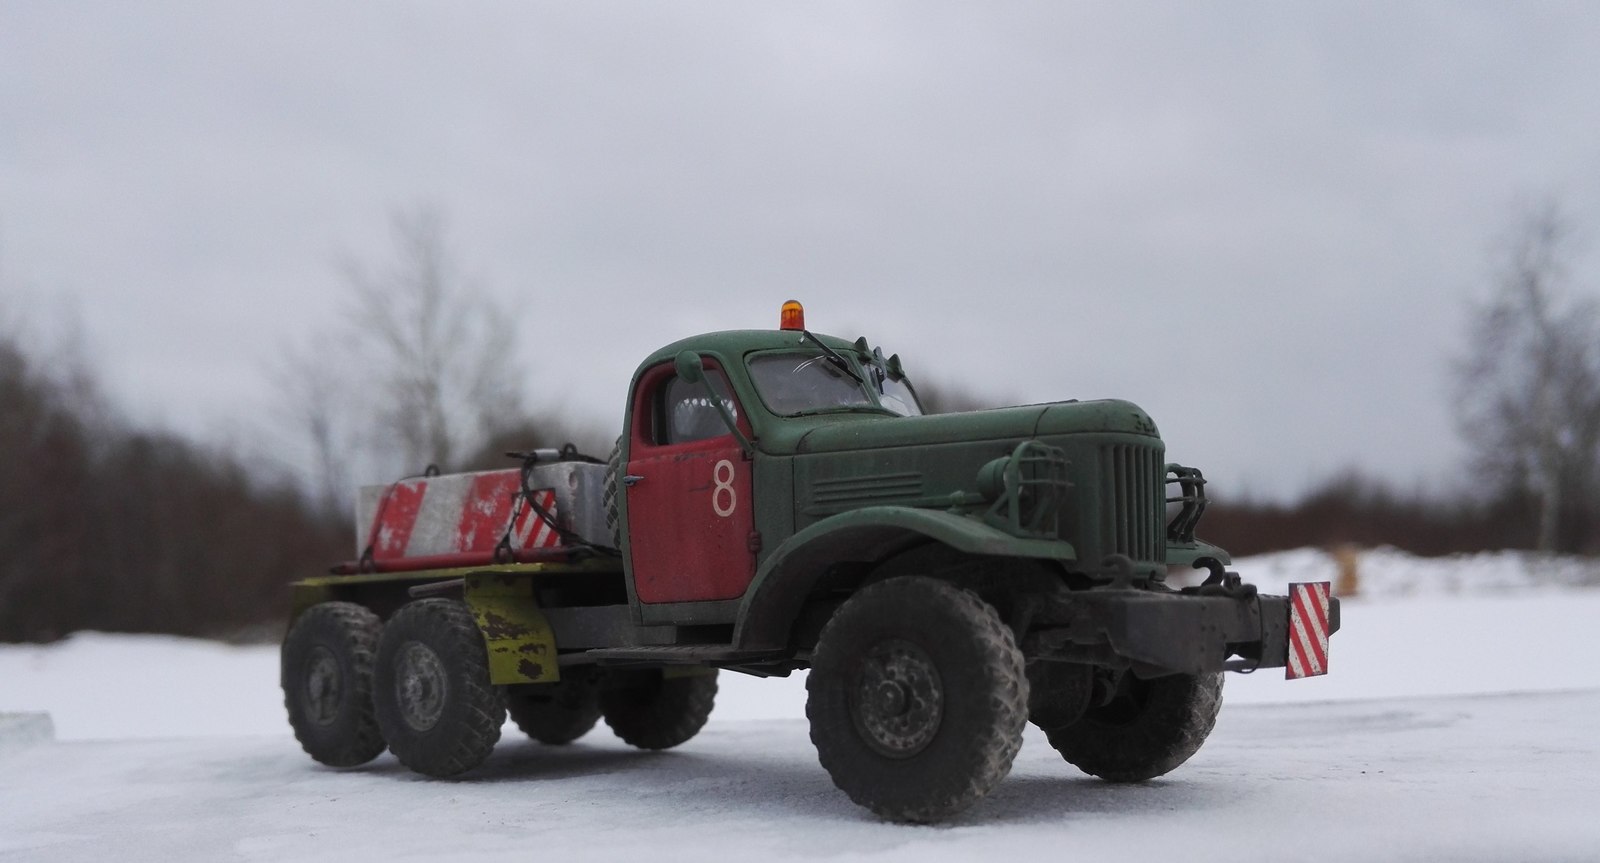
{"type": "Point", "coordinates": [518, 637]}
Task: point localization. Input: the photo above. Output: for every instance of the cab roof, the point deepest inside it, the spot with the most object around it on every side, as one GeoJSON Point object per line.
{"type": "Point", "coordinates": [736, 343]}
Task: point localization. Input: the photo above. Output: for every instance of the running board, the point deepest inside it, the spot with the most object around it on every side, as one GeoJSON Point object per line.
{"type": "Point", "coordinates": [680, 654]}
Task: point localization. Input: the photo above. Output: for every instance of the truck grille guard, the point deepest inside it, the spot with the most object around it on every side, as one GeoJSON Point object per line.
{"type": "Point", "coordinates": [1192, 494]}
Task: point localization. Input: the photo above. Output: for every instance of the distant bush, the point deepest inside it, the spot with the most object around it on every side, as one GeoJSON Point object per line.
{"type": "Point", "coordinates": [1353, 509]}
{"type": "Point", "coordinates": [104, 527]}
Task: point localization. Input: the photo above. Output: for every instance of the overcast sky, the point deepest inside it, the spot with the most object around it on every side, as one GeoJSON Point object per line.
{"type": "Point", "coordinates": [1261, 221]}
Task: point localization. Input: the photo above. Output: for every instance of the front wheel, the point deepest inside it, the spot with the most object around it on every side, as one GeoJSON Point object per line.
{"type": "Point", "coordinates": [917, 699]}
{"type": "Point", "coordinates": [1146, 729]}
{"type": "Point", "coordinates": [431, 689]}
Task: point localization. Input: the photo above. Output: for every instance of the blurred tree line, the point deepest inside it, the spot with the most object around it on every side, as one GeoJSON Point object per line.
{"type": "Point", "coordinates": [105, 526]}
{"type": "Point", "coordinates": [1352, 509]}
{"type": "Point", "coordinates": [1527, 400]}
{"type": "Point", "coordinates": [108, 527]}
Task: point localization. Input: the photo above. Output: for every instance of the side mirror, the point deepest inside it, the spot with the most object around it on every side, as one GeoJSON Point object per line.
{"type": "Point", "coordinates": [689, 367]}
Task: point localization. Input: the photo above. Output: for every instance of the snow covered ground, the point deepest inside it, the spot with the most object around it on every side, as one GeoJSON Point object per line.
{"type": "Point", "coordinates": [1458, 724]}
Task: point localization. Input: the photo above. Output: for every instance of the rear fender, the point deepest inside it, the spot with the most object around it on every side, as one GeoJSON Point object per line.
{"type": "Point", "coordinates": [305, 594]}
{"type": "Point", "coordinates": [866, 535]}
{"type": "Point", "coordinates": [520, 643]}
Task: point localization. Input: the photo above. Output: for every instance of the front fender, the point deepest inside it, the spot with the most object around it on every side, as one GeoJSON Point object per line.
{"type": "Point", "coordinates": [865, 535]}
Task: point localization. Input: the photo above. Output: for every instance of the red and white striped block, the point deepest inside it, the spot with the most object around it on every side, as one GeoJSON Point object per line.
{"type": "Point", "coordinates": [456, 514]}
{"type": "Point", "coordinates": [1308, 629]}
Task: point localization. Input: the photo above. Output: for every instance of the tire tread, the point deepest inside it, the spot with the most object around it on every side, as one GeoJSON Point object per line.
{"type": "Point", "coordinates": [1176, 721]}
{"type": "Point", "coordinates": [359, 629]}
{"type": "Point", "coordinates": [1004, 715]}
{"type": "Point", "coordinates": [453, 747]}
{"type": "Point", "coordinates": [558, 717]}
{"type": "Point", "coordinates": [668, 717]}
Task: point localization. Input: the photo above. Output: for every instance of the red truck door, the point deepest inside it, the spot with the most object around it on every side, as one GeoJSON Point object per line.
{"type": "Point", "coordinates": [690, 518]}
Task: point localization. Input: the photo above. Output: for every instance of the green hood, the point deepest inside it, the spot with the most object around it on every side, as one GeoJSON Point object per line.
{"type": "Point", "coordinates": [1028, 421]}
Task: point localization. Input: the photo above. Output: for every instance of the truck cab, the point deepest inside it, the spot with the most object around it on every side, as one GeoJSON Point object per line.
{"type": "Point", "coordinates": [711, 435]}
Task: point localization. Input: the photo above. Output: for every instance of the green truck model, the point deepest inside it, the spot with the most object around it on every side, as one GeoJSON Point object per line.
{"type": "Point", "coordinates": [778, 502]}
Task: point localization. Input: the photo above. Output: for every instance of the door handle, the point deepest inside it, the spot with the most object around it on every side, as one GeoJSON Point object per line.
{"type": "Point", "coordinates": [630, 479]}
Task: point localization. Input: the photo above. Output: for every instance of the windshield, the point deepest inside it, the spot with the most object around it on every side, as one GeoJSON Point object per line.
{"type": "Point", "coordinates": [798, 382]}
{"type": "Point", "coordinates": [793, 383]}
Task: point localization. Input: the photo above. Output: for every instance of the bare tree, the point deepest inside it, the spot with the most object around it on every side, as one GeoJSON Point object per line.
{"type": "Point", "coordinates": [1528, 387]}
{"type": "Point", "coordinates": [318, 405]}
{"type": "Point", "coordinates": [435, 345]}
{"type": "Point", "coordinates": [419, 371]}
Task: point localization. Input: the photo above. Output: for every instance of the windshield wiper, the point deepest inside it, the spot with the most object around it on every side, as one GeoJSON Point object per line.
{"type": "Point", "coordinates": [833, 357]}
{"type": "Point", "coordinates": [839, 409]}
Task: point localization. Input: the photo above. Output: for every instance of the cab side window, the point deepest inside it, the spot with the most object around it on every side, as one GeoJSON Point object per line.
{"type": "Point", "coordinates": [684, 413]}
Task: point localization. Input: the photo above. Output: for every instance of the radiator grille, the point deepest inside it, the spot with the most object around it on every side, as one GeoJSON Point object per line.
{"type": "Point", "coordinates": [1132, 505]}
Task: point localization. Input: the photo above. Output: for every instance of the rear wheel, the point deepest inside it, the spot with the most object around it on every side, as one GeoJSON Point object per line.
{"type": "Point", "coordinates": [651, 710]}
{"type": "Point", "coordinates": [917, 699]}
{"type": "Point", "coordinates": [431, 689]}
{"type": "Point", "coordinates": [557, 713]}
{"type": "Point", "coordinates": [1146, 729]}
{"type": "Point", "coordinates": [326, 673]}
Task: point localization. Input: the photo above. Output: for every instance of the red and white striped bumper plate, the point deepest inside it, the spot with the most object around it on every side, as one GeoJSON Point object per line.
{"type": "Point", "coordinates": [458, 513]}
{"type": "Point", "coordinates": [1308, 629]}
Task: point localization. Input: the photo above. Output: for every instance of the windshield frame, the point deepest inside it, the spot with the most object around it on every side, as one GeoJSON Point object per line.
{"type": "Point", "coordinates": [860, 377]}
{"type": "Point", "coordinates": [911, 391]}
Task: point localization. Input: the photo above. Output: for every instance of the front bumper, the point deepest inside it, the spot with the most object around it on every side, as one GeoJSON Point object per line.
{"type": "Point", "coordinates": [1160, 632]}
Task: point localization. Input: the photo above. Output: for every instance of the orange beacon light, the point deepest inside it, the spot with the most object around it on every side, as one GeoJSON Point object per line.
{"type": "Point", "coordinates": [792, 316]}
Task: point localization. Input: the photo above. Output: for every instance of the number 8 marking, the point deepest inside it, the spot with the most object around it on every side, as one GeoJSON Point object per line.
{"type": "Point", "coordinates": [723, 484]}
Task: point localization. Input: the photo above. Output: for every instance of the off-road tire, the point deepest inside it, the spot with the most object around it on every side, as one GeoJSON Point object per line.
{"type": "Point", "coordinates": [557, 713]}
{"type": "Point", "coordinates": [431, 689]}
{"type": "Point", "coordinates": [652, 711]}
{"type": "Point", "coordinates": [608, 494]}
{"type": "Point", "coordinates": [326, 674]}
{"type": "Point", "coordinates": [1147, 730]}
{"type": "Point", "coordinates": [916, 751]}
{"type": "Point", "coordinates": [1059, 693]}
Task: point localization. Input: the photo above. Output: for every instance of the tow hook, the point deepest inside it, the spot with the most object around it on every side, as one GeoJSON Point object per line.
{"type": "Point", "coordinates": [1222, 583]}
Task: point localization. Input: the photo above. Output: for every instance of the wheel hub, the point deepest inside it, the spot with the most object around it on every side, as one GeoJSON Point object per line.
{"type": "Point", "coordinates": [893, 698]}
{"type": "Point", "coordinates": [323, 688]}
{"type": "Point", "coordinates": [420, 686]}
{"type": "Point", "coordinates": [899, 699]}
